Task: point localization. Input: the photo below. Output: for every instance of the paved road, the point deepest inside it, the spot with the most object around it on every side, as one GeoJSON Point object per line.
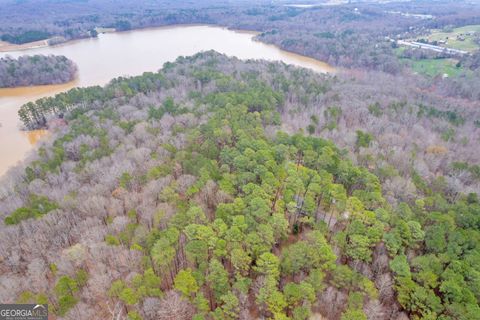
{"type": "Point", "coordinates": [431, 47]}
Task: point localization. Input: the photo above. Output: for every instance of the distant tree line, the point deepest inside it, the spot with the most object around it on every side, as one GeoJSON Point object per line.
{"type": "Point", "coordinates": [24, 37]}
{"type": "Point", "coordinates": [36, 70]}
{"type": "Point", "coordinates": [350, 35]}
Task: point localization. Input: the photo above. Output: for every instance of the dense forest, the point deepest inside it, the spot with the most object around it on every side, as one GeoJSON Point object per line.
{"type": "Point", "coordinates": [36, 70]}
{"type": "Point", "coordinates": [225, 189]}
{"type": "Point", "coordinates": [204, 191]}
{"type": "Point", "coordinates": [410, 127]}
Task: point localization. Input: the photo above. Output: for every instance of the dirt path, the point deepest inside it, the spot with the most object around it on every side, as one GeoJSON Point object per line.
{"type": "Point", "coordinates": [6, 46]}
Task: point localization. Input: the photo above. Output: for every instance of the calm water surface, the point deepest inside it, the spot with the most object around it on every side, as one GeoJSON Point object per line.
{"type": "Point", "coordinates": [126, 54]}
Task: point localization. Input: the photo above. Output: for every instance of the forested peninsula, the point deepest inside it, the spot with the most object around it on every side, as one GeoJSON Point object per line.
{"type": "Point", "coordinates": [36, 70]}
{"type": "Point", "coordinates": [203, 191]}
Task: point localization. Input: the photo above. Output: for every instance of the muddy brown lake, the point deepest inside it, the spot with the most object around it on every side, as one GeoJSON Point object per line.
{"type": "Point", "coordinates": [126, 54]}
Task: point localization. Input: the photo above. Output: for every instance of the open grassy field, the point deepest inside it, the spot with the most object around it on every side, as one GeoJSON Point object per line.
{"type": "Point", "coordinates": [431, 67]}
{"type": "Point", "coordinates": [434, 67]}
{"type": "Point", "coordinates": [453, 37]}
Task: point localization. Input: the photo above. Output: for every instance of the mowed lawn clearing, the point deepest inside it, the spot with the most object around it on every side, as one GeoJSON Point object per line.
{"type": "Point", "coordinates": [461, 38]}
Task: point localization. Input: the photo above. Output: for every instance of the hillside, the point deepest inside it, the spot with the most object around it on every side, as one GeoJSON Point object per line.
{"type": "Point", "coordinates": [204, 191]}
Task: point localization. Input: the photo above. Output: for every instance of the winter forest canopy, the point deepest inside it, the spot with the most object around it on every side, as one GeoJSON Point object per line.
{"type": "Point", "coordinates": [180, 192]}
{"type": "Point", "coordinates": [218, 188]}
{"type": "Point", "coordinates": [36, 70]}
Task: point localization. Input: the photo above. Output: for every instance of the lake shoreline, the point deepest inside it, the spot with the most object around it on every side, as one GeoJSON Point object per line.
{"type": "Point", "coordinates": [6, 47]}
{"type": "Point", "coordinates": [72, 81]}
{"type": "Point", "coordinates": [35, 45]}
{"type": "Point", "coordinates": [11, 47]}
{"type": "Point", "coordinates": [102, 59]}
